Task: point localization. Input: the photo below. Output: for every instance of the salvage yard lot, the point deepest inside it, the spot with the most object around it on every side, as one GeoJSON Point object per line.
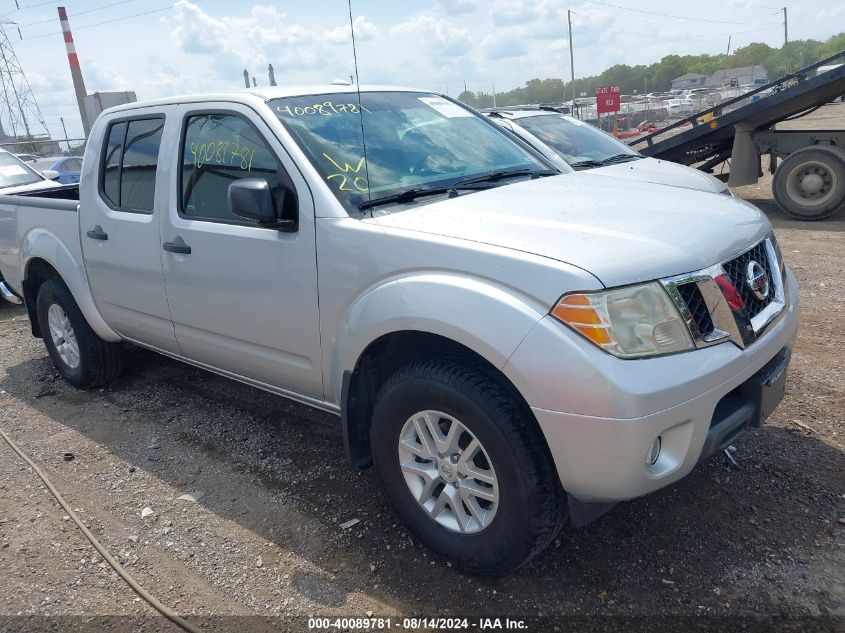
{"type": "Point", "coordinates": [265, 537]}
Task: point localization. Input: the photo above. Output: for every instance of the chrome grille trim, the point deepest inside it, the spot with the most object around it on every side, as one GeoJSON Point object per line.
{"type": "Point", "coordinates": [738, 327]}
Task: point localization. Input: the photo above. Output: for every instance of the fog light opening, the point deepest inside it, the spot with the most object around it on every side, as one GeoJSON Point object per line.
{"type": "Point", "coordinates": [653, 452]}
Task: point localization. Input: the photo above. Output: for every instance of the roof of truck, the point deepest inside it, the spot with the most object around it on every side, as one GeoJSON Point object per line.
{"type": "Point", "coordinates": [265, 93]}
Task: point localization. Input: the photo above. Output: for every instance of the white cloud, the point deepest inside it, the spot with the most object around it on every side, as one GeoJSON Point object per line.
{"type": "Point", "coordinates": [503, 44]}
{"type": "Point", "coordinates": [510, 12]}
{"type": "Point", "coordinates": [364, 32]}
{"type": "Point", "coordinates": [264, 36]}
{"type": "Point", "coordinates": [457, 7]}
{"type": "Point", "coordinates": [438, 36]}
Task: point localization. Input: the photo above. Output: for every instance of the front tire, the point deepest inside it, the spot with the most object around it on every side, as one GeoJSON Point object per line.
{"type": "Point", "coordinates": [81, 357]}
{"type": "Point", "coordinates": [465, 466]}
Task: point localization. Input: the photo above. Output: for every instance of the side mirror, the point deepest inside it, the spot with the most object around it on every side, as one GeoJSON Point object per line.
{"type": "Point", "coordinates": [251, 198]}
{"type": "Point", "coordinates": [51, 174]}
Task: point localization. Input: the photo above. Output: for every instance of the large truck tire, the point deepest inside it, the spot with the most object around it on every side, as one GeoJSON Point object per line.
{"type": "Point", "coordinates": [465, 466]}
{"type": "Point", "coordinates": [810, 183]}
{"type": "Point", "coordinates": [80, 356]}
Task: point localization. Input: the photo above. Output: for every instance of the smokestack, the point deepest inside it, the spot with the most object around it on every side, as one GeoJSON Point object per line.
{"type": "Point", "coordinates": [254, 83]}
{"type": "Point", "coordinates": [272, 74]}
{"type": "Point", "coordinates": [75, 71]}
{"type": "Point", "coordinates": [246, 78]}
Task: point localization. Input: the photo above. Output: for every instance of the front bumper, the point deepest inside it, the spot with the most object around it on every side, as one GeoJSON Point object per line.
{"type": "Point", "coordinates": [600, 415]}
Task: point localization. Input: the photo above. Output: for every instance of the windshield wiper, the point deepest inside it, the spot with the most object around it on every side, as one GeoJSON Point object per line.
{"type": "Point", "coordinates": [419, 192]}
{"type": "Point", "coordinates": [496, 176]}
{"type": "Point", "coordinates": [619, 158]}
{"type": "Point", "coordinates": [405, 196]}
{"type": "Point", "coordinates": [586, 164]}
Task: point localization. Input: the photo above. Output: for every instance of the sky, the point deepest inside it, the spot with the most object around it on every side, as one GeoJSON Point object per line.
{"type": "Point", "coordinates": [200, 45]}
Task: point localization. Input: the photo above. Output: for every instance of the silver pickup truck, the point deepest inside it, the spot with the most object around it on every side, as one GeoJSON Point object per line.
{"type": "Point", "coordinates": [509, 347]}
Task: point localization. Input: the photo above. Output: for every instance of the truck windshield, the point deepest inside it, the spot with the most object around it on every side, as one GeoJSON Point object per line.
{"type": "Point", "coordinates": [13, 172]}
{"type": "Point", "coordinates": [579, 144]}
{"type": "Point", "coordinates": [417, 144]}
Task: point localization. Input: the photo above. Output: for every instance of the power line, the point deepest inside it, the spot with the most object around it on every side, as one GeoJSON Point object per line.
{"type": "Point", "coordinates": [751, 4]}
{"type": "Point", "coordinates": [100, 8]}
{"type": "Point", "coordinates": [666, 15]}
{"type": "Point", "coordinates": [121, 19]}
{"type": "Point", "coordinates": [31, 6]}
{"type": "Point", "coordinates": [768, 26]}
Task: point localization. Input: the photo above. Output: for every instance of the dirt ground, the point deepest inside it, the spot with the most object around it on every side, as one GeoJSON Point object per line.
{"type": "Point", "coordinates": [761, 546]}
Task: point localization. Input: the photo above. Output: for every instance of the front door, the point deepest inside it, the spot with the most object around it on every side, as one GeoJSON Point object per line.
{"type": "Point", "coordinates": [243, 297]}
{"type": "Point", "coordinates": [119, 226]}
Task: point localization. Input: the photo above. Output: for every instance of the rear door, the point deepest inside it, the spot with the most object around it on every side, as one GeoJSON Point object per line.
{"type": "Point", "coordinates": [243, 297]}
{"type": "Point", "coordinates": [119, 226]}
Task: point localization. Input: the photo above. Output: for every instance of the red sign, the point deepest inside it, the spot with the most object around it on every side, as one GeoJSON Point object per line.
{"type": "Point", "coordinates": [607, 99]}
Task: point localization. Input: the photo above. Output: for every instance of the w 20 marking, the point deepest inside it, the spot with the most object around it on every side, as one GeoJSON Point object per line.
{"type": "Point", "coordinates": [348, 175]}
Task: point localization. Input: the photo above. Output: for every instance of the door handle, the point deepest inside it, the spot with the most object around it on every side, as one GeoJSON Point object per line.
{"type": "Point", "coordinates": [175, 247]}
{"type": "Point", "coordinates": [97, 233]}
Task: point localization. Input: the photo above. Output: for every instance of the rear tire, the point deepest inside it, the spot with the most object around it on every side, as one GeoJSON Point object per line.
{"type": "Point", "coordinates": [81, 357]}
{"type": "Point", "coordinates": [810, 183]}
{"type": "Point", "coordinates": [505, 489]}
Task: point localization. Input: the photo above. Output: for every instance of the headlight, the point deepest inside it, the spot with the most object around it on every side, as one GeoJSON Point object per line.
{"type": "Point", "coordinates": [630, 322]}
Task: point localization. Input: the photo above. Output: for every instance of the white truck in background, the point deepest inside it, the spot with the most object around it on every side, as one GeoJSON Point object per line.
{"type": "Point", "coordinates": [506, 345]}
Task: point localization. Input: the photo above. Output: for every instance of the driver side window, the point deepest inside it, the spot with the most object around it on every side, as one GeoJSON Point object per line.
{"type": "Point", "coordinates": [219, 149]}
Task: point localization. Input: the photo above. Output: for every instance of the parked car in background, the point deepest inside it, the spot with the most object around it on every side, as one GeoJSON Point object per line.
{"type": "Point", "coordinates": [574, 145]}
{"type": "Point", "coordinates": [17, 176]}
{"type": "Point", "coordinates": [507, 346]}
{"type": "Point", "coordinates": [68, 168]}
{"type": "Point", "coordinates": [27, 158]}
{"type": "Point", "coordinates": [680, 107]}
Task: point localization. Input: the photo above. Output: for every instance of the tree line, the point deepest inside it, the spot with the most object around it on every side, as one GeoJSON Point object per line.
{"type": "Point", "coordinates": [657, 77]}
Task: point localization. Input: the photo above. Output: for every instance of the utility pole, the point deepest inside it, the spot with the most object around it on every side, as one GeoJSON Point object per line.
{"type": "Point", "coordinates": [64, 129]}
{"type": "Point", "coordinates": [728, 54]}
{"type": "Point", "coordinates": [785, 44]}
{"type": "Point", "coordinates": [494, 95]}
{"type": "Point", "coordinates": [571, 55]}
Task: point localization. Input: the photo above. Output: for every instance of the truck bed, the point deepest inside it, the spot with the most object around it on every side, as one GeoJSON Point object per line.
{"type": "Point", "coordinates": [28, 217]}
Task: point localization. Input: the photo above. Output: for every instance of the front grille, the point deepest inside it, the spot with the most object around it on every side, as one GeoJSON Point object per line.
{"type": "Point", "coordinates": [736, 269]}
{"type": "Point", "coordinates": [701, 322]}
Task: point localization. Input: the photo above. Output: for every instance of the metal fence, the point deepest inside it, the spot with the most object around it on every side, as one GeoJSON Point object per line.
{"type": "Point", "coordinates": [35, 148]}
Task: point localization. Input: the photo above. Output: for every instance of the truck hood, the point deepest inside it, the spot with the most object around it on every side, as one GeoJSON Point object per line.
{"type": "Point", "coordinates": [663, 172]}
{"type": "Point", "coordinates": [621, 232]}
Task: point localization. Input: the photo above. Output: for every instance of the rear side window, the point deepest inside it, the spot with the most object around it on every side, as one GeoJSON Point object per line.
{"type": "Point", "coordinates": [111, 163]}
{"type": "Point", "coordinates": [219, 149]}
{"type": "Point", "coordinates": [129, 164]}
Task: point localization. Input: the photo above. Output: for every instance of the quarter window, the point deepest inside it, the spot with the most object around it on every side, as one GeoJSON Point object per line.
{"type": "Point", "coordinates": [130, 162]}
{"type": "Point", "coordinates": [219, 149]}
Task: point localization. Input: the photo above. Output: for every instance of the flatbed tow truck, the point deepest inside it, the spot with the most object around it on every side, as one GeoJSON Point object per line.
{"type": "Point", "coordinates": [808, 166]}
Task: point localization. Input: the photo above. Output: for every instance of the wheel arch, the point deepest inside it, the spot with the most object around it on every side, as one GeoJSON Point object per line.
{"type": "Point", "coordinates": [380, 359]}
{"type": "Point", "coordinates": [38, 268]}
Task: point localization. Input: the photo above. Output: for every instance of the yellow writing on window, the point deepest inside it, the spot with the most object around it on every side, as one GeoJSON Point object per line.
{"type": "Point", "coordinates": [327, 108]}
{"type": "Point", "coordinates": [222, 152]}
{"type": "Point", "coordinates": [349, 180]}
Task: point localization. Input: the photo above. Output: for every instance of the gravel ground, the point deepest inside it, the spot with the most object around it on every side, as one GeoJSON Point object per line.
{"type": "Point", "coordinates": [264, 537]}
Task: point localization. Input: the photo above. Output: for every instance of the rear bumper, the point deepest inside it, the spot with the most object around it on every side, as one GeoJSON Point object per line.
{"type": "Point", "coordinates": [603, 458]}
